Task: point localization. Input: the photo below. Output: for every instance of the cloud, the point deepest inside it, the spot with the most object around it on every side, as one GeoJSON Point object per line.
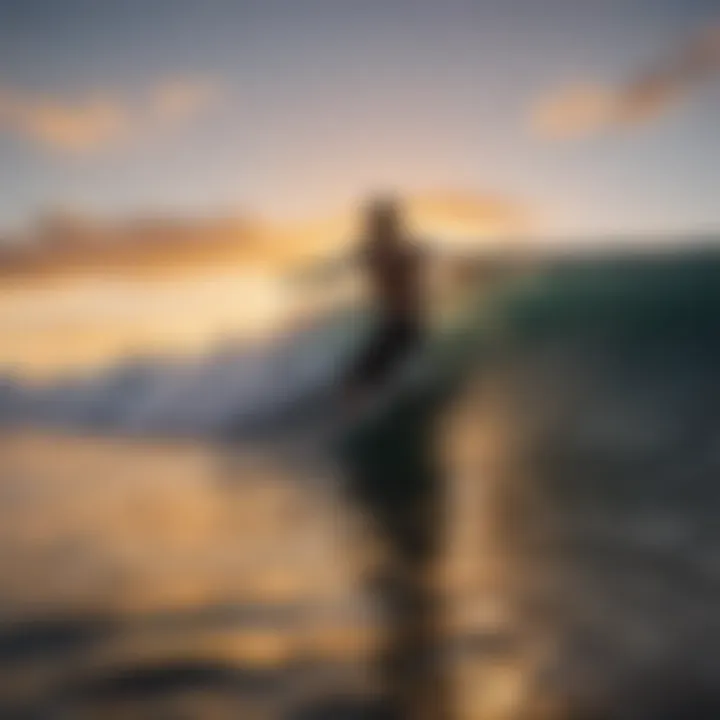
{"type": "Point", "coordinates": [66, 242]}
{"type": "Point", "coordinates": [183, 100]}
{"type": "Point", "coordinates": [101, 120]}
{"type": "Point", "coordinates": [477, 214]}
{"type": "Point", "coordinates": [79, 127]}
{"type": "Point", "coordinates": [588, 109]}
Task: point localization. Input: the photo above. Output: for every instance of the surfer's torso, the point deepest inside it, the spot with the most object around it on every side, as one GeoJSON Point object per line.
{"type": "Point", "coordinates": [395, 277]}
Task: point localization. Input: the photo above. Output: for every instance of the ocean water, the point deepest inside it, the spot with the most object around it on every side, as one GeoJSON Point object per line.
{"type": "Point", "coordinates": [574, 422]}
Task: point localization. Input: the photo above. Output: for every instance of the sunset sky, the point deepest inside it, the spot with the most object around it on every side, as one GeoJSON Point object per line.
{"type": "Point", "coordinates": [593, 112]}
{"type": "Point", "coordinates": [572, 119]}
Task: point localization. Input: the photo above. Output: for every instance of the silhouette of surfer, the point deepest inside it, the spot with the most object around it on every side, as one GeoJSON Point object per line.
{"type": "Point", "coordinates": [394, 267]}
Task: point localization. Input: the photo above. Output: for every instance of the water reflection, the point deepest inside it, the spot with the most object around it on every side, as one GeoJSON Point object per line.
{"type": "Point", "coordinates": [138, 582]}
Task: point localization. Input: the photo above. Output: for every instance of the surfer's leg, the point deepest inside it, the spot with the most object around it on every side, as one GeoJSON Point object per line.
{"type": "Point", "coordinates": [368, 368]}
{"type": "Point", "coordinates": [388, 346]}
{"type": "Point", "coordinates": [391, 344]}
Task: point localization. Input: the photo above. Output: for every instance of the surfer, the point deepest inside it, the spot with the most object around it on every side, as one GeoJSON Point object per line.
{"type": "Point", "coordinates": [394, 268]}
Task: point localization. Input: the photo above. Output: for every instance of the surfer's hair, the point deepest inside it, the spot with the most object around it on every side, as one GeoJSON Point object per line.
{"type": "Point", "coordinates": [383, 217]}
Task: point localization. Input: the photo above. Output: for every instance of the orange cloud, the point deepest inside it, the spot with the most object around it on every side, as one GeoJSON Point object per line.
{"type": "Point", "coordinates": [102, 120]}
{"type": "Point", "coordinates": [83, 127]}
{"type": "Point", "coordinates": [468, 213]}
{"type": "Point", "coordinates": [588, 109]}
{"type": "Point", "coordinates": [183, 99]}
{"type": "Point", "coordinates": [63, 243]}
